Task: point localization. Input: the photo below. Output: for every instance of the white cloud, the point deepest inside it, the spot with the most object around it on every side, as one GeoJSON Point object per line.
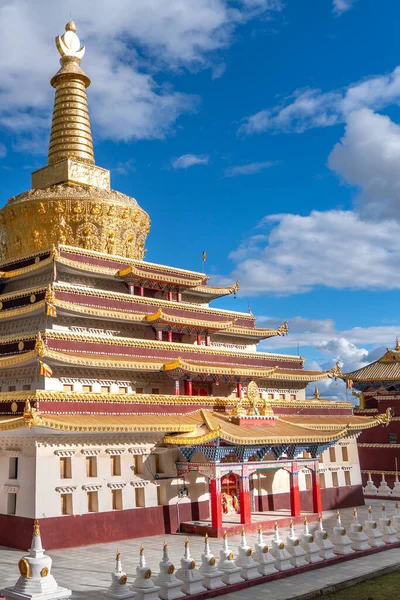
{"type": "Point", "coordinates": [189, 160]}
{"type": "Point", "coordinates": [368, 156]}
{"type": "Point", "coordinates": [350, 347]}
{"type": "Point", "coordinates": [292, 254]}
{"type": "Point", "coordinates": [250, 168]}
{"type": "Point", "coordinates": [128, 43]}
{"type": "Point", "coordinates": [309, 108]}
{"type": "Point", "coordinates": [341, 6]}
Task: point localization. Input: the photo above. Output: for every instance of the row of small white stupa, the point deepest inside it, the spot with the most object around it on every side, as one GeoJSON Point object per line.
{"type": "Point", "coordinates": [383, 489]}
{"type": "Point", "coordinates": [37, 583]}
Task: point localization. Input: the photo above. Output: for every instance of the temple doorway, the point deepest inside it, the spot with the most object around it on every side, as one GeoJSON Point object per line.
{"type": "Point", "coordinates": [230, 494]}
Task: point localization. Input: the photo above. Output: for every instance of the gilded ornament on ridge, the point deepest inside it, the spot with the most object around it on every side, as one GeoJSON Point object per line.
{"type": "Point", "coordinates": [21, 346]}
{"type": "Point", "coordinates": [14, 407]}
{"type": "Point", "coordinates": [32, 299]}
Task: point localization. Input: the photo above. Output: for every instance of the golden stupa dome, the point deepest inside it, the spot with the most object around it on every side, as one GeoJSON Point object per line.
{"type": "Point", "coordinates": [71, 201]}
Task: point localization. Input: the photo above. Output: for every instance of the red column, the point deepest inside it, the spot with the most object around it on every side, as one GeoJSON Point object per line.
{"type": "Point", "coordinates": [188, 388]}
{"type": "Point", "coordinates": [216, 504]}
{"type": "Point", "coordinates": [239, 390]}
{"type": "Point", "coordinates": [177, 387]}
{"type": "Point", "coordinates": [245, 512]}
{"type": "Point", "coordinates": [170, 296]}
{"type": "Point", "coordinates": [198, 339]}
{"type": "Point", "coordinates": [207, 340]}
{"type": "Point", "coordinates": [141, 291]}
{"type": "Point", "coordinates": [170, 336]}
{"type": "Point", "coordinates": [178, 297]}
{"type": "Point", "coordinates": [294, 493]}
{"type": "Point", "coordinates": [316, 491]}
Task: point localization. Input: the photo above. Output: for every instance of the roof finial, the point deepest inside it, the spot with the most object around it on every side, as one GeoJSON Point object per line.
{"type": "Point", "coordinates": [316, 392]}
{"type": "Point", "coordinates": [397, 348]}
{"type": "Point", "coordinates": [68, 44]}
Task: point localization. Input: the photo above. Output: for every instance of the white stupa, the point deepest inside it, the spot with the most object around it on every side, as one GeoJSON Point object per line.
{"type": "Point", "coordinates": [170, 586]}
{"type": "Point", "coordinates": [263, 556]}
{"type": "Point", "coordinates": [359, 539]}
{"type": "Point", "coordinates": [119, 587]}
{"type": "Point", "coordinates": [298, 555]}
{"type": "Point", "coordinates": [143, 585]}
{"type": "Point", "coordinates": [279, 552]}
{"type": "Point", "coordinates": [227, 564]}
{"type": "Point", "coordinates": [384, 489]}
{"type": "Point", "coordinates": [307, 542]}
{"type": "Point", "coordinates": [396, 487]}
{"type": "Point", "coordinates": [35, 581]}
{"type": "Point", "coordinates": [370, 488]}
{"type": "Point", "coordinates": [371, 529]}
{"type": "Point", "coordinates": [396, 517]}
{"type": "Point", "coordinates": [385, 525]}
{"type": "Point", "coordinates": [323, 542]}
{"type": "Point", "coordinates": [341, 541]}
{"type": "Point", "coordinates": [208, 568]}
{"type": "Point", "coordinates": [245, 560]}
{"type": "Point", "coordinates": [190, 576]}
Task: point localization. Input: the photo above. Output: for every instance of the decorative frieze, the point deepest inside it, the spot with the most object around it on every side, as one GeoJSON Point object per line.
{"type": "Point", "coordinates": [94, 487]}
{"type": "Point", "coordinates": [136, 450]}
{"type": "Point", "coordinates": [64, 453]}
{"type": "Point", "coordinates": [13, 452]}
{"type": "Point", "coordinates": [140, 483]}
{"type": "Point", "coordinates": [116, 486]}
{"type": "Point", "coordinates": [90, 451]}
{"type": "Point", "coordinates": [66, 489]}
{"type": "Point", "coordinates": [11, 488]}
{"type": "Point", "coordinates": [115, 451]}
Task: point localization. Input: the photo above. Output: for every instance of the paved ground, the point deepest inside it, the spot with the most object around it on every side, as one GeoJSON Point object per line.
{"type": "Point", "coordinates": [86, 570]}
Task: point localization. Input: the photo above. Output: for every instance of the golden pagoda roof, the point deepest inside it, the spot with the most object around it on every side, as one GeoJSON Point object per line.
{"type": "Point", "coordinates": [386, 368]}
{"type": "Point", "coordinates": [198, 428]}
{"type": "Point", "coordinates": [162, 316]}
{"type": "Point", "coordinates": [161, 399]}
{"type": "Point", "coordinates": [146, 274]}
{"type": "Point", "coordinates": [219, 426]}
{"type": "Point", "coordinates": [217, 369]}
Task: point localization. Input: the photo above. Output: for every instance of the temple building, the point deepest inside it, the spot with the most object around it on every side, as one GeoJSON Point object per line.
{"type": "Point", "coordinates": [377, 386]}
{"type": "Point", "coordinates": [129, 405]}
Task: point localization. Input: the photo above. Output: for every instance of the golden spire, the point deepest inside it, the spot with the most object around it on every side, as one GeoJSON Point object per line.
{"type": "Point", "coordinates": [36, 528]}
{"type": "Point", "coordinates": [397, 347]}
{"type": "Point", "coordinates": [70, 136]}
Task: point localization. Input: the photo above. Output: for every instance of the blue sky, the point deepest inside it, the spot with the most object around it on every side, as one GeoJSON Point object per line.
{"type": "Point", "coordinates": [265, 132]}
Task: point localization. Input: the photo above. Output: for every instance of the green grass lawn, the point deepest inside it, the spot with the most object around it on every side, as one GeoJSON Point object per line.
{"type": "Point", "coordinates": [386, 587]}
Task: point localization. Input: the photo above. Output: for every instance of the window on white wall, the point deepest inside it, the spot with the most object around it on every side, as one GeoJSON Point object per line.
{"type": "Point", "coordinates": [11, 503]}
{"type": "Point", "coordinates": [308, 482]}
{"type": "Point", "coordinates": [347, 478]}
{"type": "Point", "coordinates": [66, 504]}
{"type": "Point", "coordinates": [332, 454]}
{"type": "Point", "coordinates": [91, 466]}
{"type": "Point", "coordinates": [335, 480]}
{"type": "Point", "coordinates": [13, 467]}
{"type": "Point", "coordinates": [116, 499]}
{"type": "Point", "coordinates": [65, 467]}
{"type": "Point", "coordinates": [345, 454]}
{"type": "Point", "coordinates": [115, 465]}
{"type": "Point", "coordinates": [322, 481]}
{"type": "Point", "coordinates": [93, 501]}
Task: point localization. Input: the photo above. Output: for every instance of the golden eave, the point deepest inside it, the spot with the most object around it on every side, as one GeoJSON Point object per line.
{"type": "Point", "coordinates": [212, 369]}
{"type": "Point", "coordinates": [134, 272]}
{"type": "Point", "coordinates": [216, 291]}
{"type": "Point", "coordinates": [218, 426]}
{"type": "Point", "coordinates": [163, 317]}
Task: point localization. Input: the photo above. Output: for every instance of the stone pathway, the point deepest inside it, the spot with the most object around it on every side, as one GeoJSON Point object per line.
{"type": "Point", "coordinates": [86, 570]}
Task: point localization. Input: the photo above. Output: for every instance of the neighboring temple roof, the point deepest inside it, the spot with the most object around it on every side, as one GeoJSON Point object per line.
{"type": "Point", "coordinates": [284, 431]}
{"type": "Point", "coordinates": [386, 368]}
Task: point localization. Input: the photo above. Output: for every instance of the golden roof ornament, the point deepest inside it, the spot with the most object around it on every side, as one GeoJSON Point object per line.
{"type": "Point", "coordinates": [316, 393]}
{"type": "Point", "coordinates": [69, 44]}
{"type": "Point", "coordinates": [36, 528]}
{"type": "Point", "coordinates": [397, 347]}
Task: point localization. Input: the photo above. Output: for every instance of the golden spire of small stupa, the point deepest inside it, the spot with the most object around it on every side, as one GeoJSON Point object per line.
{"type": "Point", "coordinates": [397, 347]}
{"type": "Point", "coordinates": [316, 392]}
{"type": "Point", "coordinates": [71, 136]}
